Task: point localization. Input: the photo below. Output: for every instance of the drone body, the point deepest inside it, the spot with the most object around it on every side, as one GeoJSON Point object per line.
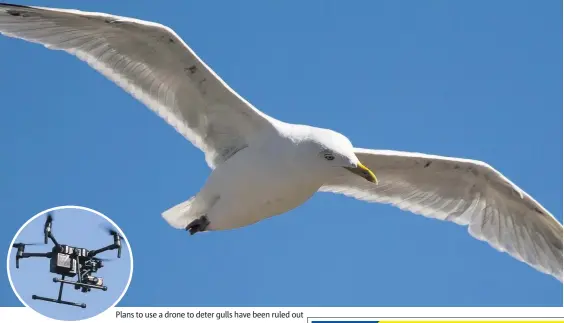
{"type": "Point", "coordinates": [70, 261]}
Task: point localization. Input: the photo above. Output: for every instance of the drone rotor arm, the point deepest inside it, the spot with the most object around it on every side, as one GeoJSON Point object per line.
{"type": "Point", "coordinates": [22, 255]}
{"type": "Point", "coordinates": [37, 254]}
{"type": "Point", "coordinates": [93, 253]}
{"type": "Point", "coordinates": [113, 246]}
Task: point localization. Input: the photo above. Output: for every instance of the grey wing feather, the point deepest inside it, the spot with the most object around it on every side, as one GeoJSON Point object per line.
{"type": "Point", "coordinates": [466, 192]}
{"type": "Point", "coordinates": [152, 63]}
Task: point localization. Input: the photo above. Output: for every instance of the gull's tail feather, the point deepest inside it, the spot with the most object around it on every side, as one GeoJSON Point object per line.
{"type": "Point", "coordinates": [179, 216]}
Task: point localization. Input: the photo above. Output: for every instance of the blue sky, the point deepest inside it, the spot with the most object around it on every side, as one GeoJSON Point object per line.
{"type": "Point", "coordinates": [78, 228]}
{"type": "Point", "coordinates": [474, 79]}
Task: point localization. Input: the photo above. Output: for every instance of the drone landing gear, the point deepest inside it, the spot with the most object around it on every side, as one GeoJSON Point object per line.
{"type": "Point", "coordinates": [58, 301]}
{"type": "Point", "coordinates": [78, 285]}
{"type": "Point", "coordinates": [62, 281]}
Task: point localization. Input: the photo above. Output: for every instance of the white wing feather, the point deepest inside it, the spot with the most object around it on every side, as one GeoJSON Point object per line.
{"type": "Point", "coordinates": [152, 63]}
{"type": "Point", "coordinates": [465, 192]}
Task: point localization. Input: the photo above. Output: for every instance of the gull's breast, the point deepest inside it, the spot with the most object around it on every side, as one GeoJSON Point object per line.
{"type": "Point", "coordinates": [257, 184]}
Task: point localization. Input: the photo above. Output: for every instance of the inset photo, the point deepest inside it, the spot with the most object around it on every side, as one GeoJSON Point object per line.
{"type": "Point", "coordinates": [70, 263]}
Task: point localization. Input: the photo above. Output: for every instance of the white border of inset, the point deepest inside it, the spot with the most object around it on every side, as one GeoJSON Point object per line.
{"type": "Point", "coordinates": [77, 208]}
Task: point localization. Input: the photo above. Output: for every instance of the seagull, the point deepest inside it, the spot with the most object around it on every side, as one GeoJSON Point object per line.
{"type": "Point", "coordinates": [261, 166]}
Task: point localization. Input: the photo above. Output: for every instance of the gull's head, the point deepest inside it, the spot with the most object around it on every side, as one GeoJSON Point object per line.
{"type": "Point", "coordinates": [333, 149]}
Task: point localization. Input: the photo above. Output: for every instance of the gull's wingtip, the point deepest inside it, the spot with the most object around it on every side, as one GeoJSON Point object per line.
{"type": "Point", "coordinates": [4, 4]}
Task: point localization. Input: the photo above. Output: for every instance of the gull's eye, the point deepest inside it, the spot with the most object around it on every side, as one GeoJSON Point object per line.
{"type": "Point", "coordinates": [328, 156]}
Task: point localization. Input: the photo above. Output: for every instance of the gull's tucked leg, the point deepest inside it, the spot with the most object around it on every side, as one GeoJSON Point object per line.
{"type": "Point", "coordinates": [198, 225]}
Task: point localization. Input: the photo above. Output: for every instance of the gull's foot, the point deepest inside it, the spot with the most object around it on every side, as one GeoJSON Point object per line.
{"type": "Point", "coordinates": [198, 225]}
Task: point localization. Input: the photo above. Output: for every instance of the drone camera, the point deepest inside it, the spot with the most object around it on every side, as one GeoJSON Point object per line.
{"type": "Point", "coordinates": [93, 280]}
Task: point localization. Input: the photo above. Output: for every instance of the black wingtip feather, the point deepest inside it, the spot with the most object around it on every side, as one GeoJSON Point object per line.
{"type": "Point", "coordinates": [9, 9]}
{"type": "Point", "coordinates": [3, 4]}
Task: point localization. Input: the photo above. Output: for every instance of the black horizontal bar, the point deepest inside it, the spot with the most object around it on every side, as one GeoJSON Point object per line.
{"type": "Point", "coordinates": [52, 300]}
{"type": "Point", "coordinates": [58, 280]}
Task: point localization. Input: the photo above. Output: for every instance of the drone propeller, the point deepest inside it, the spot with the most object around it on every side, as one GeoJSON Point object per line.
{"type": "Point", "coordinates": [110, 230]}
{"type": "Point", "coordinates": [117, 237]}
{"type": "Point", "coordinates": [21, 248]}
{"type": "Point", "coordinates": [47, 228]}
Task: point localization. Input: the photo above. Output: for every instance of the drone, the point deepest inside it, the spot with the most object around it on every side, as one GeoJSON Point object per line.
{"type": "Point", "coordinates": [69, 261]}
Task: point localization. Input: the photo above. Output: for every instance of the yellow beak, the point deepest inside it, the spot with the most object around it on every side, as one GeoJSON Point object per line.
{"type": "Point", "coordinates": [363, 172]}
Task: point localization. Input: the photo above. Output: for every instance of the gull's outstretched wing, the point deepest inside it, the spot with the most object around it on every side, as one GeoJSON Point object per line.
{"type": "Point", "coordinates": [152, 63]}
{"type": "Point", "coordinates": [466, 192]}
